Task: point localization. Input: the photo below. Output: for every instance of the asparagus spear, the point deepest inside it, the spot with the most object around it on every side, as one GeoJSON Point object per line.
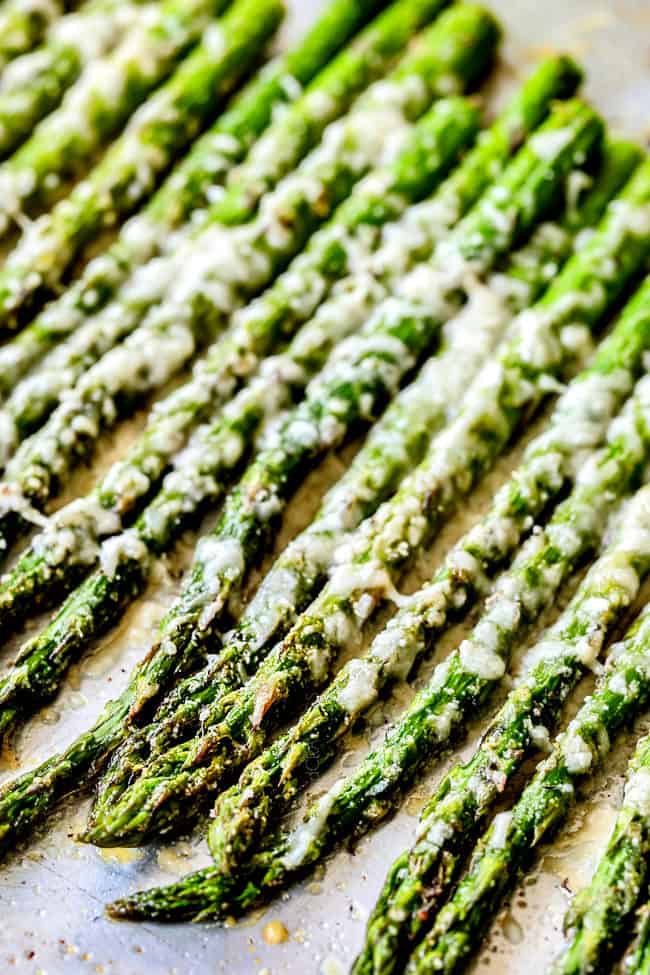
{"type": "Point", "coordinates": [450, 123]}
{"type": "Point", "coordinates": [185, 192]}
{"type": "Point", "coordinates": [600, 914]}
{"type": "Point", "coordinates": [357, 802]}
{"type": "Point", "coordinates": [637, 957]}
{"type": "Point", "coordinates": [465, 37]}
{"type": "Point", "coordinates": [34, 84]}
{"type": "Point", "coordinates": [298, 293]}
{"type": "Point", "coordinates": [419, 879]}
{"type": "Point", "coordinates": [497, 399]}
{"type": "Point", "coordinates": [30, 265]}
{"type": "Point", "coordinates": [284, 306]}
{"type": "Point", "coordinates": [50, 564]}
{"type": "Point", "coordinates": [508, 844]}
{"type": "Point", "coordinates": [211, 580]}
{"type": "Point", "coordinates": [202, 471]}
{"type": "Point", "coordinates": [396, 443]}
{"type": "Point", "coordinates": [24, 23]}
{"type": "Point", "coordinates": [585, 268]}
{"type": "Point", "coordinates": [456, 690]}
{"type": "Point", "coordinates": [91, 112]}
{"type": "Point", "coordinates": [129, 170]}
{"type": "Point", "coordinates": [229, 263]}
{"type": "Point", "coordinates": [244, 812]}
{"type": "Point", "coordinates": [30, 797]}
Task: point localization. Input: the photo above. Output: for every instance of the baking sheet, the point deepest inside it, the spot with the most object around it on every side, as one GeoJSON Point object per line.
{"type": "Point", "coordinates": [52, 893]}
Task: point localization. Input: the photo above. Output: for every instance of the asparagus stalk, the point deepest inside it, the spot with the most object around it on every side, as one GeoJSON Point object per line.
{"type": "Point", "coordinates": [249, 256]}
{"type": "Point", "coordinates": [130, 169]}
{"type": "Point", "coordinates": [497, 399]}
{"type": "Point", "coordinates": [284, 306]}
{"type": "Point", "coordinates": [419, 879]}
{"type": "Point", "coordinates": [298, 293]}
{"type": "Point", "coordinates": [50, 565]}
{"type": "Point", "coordinates": [191, 620]}
{"type": "Point", "coordinates": [244, 812]}
{"type": "Point", "coordinates": [24, 23]}
{"type": "Point", "coordinates": [396, 444]}
{"type": "Point", "coordinates": [186, 191]}
{"type": "Point", "coordinates": [373, 52]}
{"type": "Point", "coordinates": [468, 34]}
{"type": "Point", "coordinates": [357, 802]}
{"type": "Point", "coordinates": [216, 451]}
{"type": "Point", "coordinates": [190, 769]}
{"type": "Point", "coordinates": [637, 957]}
{"type": "Point", "coordinates": [456, 690]}
{"type": "Point", "coordinates": [600, 914]}
{"type": "Point", "coordinates": [508, 844]}
{"type": "Point", "coordinates": [33, 85]}
{"type": "Point", "coordinates": [30, 797]}
{"type": "Point", "coordinates": [91, 112]}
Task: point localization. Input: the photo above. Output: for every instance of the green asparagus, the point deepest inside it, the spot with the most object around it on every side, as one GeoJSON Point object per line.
{"type": "Point", "coordinates": [190, 621]}
{"type": "Point", "coordinates": [203, 469]}
{"type": "Point", "coordinates": [396, 443]}
{"type": "Point", "coordinates": [600, 914]}
{"type": "Point", "coordinates": [538, 349]}
{"type": "Point", "coordinates": [129, 170]}
{"type": "Point", "coordinates": [469, 35]}
{"type": "Point", "coordinates": [91, 112]}
{"type": "Point", "coordinates": [226, 264]}
{"type": "Point", "coordinates": [33, 85]}
{"type": "Point", "coordinates": [298, 293]}
{"type": "Point", "coordinates": [456, 690]}
{"type": "Point", "coordinates": [637, 958]}
{"type": "Point", "coordinates": [419, 879]}
{"type": "Point", "coordinates": [51, 564]}
{"type": "Point", "coordinates": [24, 23]}
{"type": "Point", "coordinates": [330, 95]}
{"type": "Point", "coordinates": [244, 812]}
{"type": "Point", "coordinates": [356, 803]}
{"type": "Point", "coordinates": [505, 849]}
{"type": "Point", "coordinates": [33, 794]}
{"type": "Point", "coordinates": [184, 193]}
{"type": "Point", "coordinates": [451, 123]}
{"type": "Point", "coordinates": [285, 306]}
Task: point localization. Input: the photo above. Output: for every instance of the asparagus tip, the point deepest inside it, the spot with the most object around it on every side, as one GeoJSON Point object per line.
{"type": "Point", "coordinates": [198, 897]}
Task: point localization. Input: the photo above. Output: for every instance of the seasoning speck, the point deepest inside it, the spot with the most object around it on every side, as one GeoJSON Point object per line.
{"type": "Point", "coordinates": [332, 966]}
{"type": "Point", "coordinates": [275, 933]}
